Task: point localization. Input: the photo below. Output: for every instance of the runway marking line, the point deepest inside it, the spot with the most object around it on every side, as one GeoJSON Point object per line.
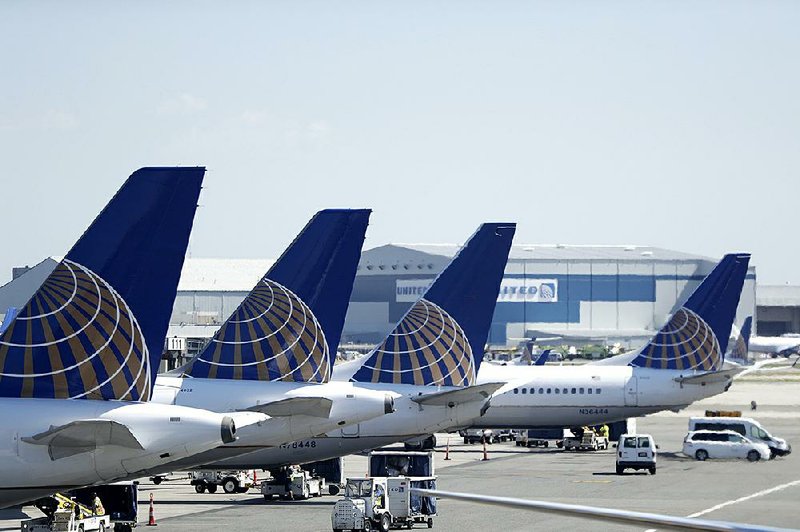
{"type": "Point", "coordinates": [740, 499]}
{"type": "Point", "coordinates": [746, 498]}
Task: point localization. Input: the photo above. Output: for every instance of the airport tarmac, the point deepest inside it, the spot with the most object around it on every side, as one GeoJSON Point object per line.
{"type": "Point", "coordinates": [758, 493]}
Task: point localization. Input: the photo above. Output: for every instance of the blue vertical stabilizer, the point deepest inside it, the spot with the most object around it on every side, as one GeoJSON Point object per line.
{"type": "Point", "coordinates": [441, 339]}
{"type": "Point", "coordinates": [95, 329]}
{"type": "Point", "coordinates": [696, 336]}
{"type": "Point", "coordinates": [288, 327]}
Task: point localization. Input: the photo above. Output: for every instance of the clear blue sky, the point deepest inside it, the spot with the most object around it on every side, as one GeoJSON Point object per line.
{"type": "Point", "coordinates": [673, 124]}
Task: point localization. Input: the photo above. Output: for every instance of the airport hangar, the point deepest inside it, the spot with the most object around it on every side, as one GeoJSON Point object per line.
{"type": "Point", "coordinates": [584, 294]}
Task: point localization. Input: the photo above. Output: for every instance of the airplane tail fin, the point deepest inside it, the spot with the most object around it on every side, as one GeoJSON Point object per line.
{"type": "Point", "coordinates": [441, 339]}
{"type": "Point", "coordinates": [288, 328]}
{"type": "Point", "coordinates": [696, 336]}
{"type": "Point", "coordinates": [542, 358]}
{"type": "Point", "coordinates": [741, 345]}
{"type": "Point", "coordinates": [95, 329]}
{"type": "Point", "coordinates": [11, 313]}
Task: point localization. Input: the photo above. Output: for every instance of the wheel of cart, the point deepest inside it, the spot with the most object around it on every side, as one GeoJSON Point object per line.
{"type": "Point", "coordinates": [430, 522]}
{"type": "Point", "coordinates": [385, 522]}
{"type": "Point", "coordinates": [231, 485]}
{"type": "Point", "coordinates": [212, 488]}
{"type": "Point", "coordinates": [200, 487]}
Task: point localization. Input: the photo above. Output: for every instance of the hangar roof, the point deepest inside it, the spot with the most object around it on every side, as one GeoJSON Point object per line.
{"type": "Point", "coordinates": [778, 296]}
{"type": "Point", "coordinates": [549, 252]}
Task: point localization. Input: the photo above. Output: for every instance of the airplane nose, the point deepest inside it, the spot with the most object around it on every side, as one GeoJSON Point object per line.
{"type": "Point", "coordinates": [388, 404]}
{"type": "Point", "coordinates": [228, 430]}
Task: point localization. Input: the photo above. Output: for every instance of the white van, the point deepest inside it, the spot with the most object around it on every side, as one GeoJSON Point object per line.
{"type": "Point", "coordinates": [636, 451]}
{"type": "Point", "coordinates": [704, 444]}
{"type": "Point", "coordinates": [749, 428]}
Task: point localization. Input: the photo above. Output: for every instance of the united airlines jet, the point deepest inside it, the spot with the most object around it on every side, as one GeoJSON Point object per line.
{"type": "Point", "coordinates": [681, 364]}
{"type": "Point", "coordinates": [77, 363]}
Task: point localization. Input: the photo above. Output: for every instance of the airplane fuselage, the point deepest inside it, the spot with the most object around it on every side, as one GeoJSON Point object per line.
{"type": "Point", "coordinates": [350, 404]}
{"type": "Point", "coordinates": [568, 396]}
{"type": "Point", "coordinates": [410, 420]}
{"type": "Point", "coordinates": [31, 470]}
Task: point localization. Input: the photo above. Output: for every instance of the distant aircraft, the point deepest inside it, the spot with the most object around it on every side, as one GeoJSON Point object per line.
{"type": "Point", "coordinates": [78, 362]}
{"type": "Point", "coordinates": [542, 358]}
{"type": "Point", "coordinates": [775, 346]}
{"type": "Point", "coordinates": [683, 363]}
{"type": "Point", "coordinates": [741, 342]}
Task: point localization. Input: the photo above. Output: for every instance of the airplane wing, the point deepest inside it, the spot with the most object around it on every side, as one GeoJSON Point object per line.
{"type": "Point", "coordinates": [83, 436]}
{"type": "Point", "coordinates": [709, 377]}
{"type": "Point", "coordinates": [479, 392]}
{"type": "Point", "coordinates": [296, 406]}
{"type": "Point", "coordinates": [625, 517]}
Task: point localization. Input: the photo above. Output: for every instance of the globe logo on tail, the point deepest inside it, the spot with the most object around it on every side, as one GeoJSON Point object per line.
{"type": "Point", "coordinates": [75, 339]}
{"type": "Point", "coordinates": [272, 336]}
{"type": "Point", "coordinates": [685, 342]}
{"type": "Point", "coordinates": [428, 347]}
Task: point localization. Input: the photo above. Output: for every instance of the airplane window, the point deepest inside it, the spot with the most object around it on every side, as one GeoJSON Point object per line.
{"type": "Point", "coordinates": [516, 390]}
{"type": "Point", "coordinates": [598, 390]}
{"type": "Point", "coordinates": [573, 391]}
{"type": "Point", "coordinates": [590, 391]}
{"type": "Point", "coordinates": [524, 390]}
{"type": "Point", "coordinates": [565, 390]}
{"type": "Point", "coordinates": [533, 390]}
{"type": "Point", "coordinates": [548, 390]}
{"type": "Point", "coordinates": [541, 390]}
{"type": "Point", "coordinates": [558, 391]}
{"type": "Point", "coordinates": [580, 390]}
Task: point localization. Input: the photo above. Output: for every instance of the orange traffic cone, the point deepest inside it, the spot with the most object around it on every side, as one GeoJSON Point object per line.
{"type": "Point", "coordinates": [447, 450]}
{"type": "Point", "coordinates": [152, 520]}
{"type": "Point", "coordinates": [485, 452]}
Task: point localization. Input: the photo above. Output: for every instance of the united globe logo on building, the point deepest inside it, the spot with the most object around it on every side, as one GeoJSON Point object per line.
{"type": "Point", "coordinates": [547, 292]}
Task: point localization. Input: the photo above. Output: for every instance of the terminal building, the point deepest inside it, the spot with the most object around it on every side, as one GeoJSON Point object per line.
{"type": "Point", "coordinates": [581, 294]}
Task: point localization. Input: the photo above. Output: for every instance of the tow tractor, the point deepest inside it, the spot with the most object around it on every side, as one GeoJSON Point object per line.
{"type": "Point", "coordinates": [383, 500]}
{"type": "Point", "coordinates": [64, 514]}
{"type": "Point", "coordinates": [585, 440]}
{"type": "Point", "coordinates": [293, 483]}
{"type": "Point", "coordinates": [383, 503]}
{"type": "Point", "coordinates": [231, 481]}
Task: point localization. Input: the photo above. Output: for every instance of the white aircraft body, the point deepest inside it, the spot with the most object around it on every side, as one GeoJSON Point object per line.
{"type": "Point", "coordinates": [680, 365]}
{"type": "Point", "coordinates": [785, 346]}
{"type": "Point", "coordinates": [427, 362]}
{"type": "Point", "coordinates": [295, 410]}
{"type": "Point", "coordinates": [78, 362]}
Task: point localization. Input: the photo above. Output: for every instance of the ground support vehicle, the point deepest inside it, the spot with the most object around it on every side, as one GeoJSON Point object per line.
{"type": "Point", "coordinates": [230, 481]}
{"type": "Point", "coordinates": [705, 444]}
{"type": "Point", "coordinates": [293, 483]}
{"type": "Point", "coordinates": [747, 427]}
{"type": "Point", "coordinates": [383, 503]}
{"type": "Point", "coordinates": [120, 501]}
{"type": "Point", "coordinates": [538, 437]}
{"type": "Point", "coordinates": [479, 436]}
{"type": "Point", "coordinates": [636, 451]}
{"type": "Point", "coordinates": [412, 464]}
{"type": "Point", "coordinates": [63, 514]}
{"type": "Point", "coordinates": [588, 442]}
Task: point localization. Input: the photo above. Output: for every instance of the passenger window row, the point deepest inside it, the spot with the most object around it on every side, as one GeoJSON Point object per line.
{"type": "Point", "coordinates": [565, 391]}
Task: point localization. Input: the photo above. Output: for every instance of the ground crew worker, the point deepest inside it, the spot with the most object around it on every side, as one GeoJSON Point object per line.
{"type": "Point", "coordinates": [97, 505]}
{"type": "Point", "coordinates": [603, 431]}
